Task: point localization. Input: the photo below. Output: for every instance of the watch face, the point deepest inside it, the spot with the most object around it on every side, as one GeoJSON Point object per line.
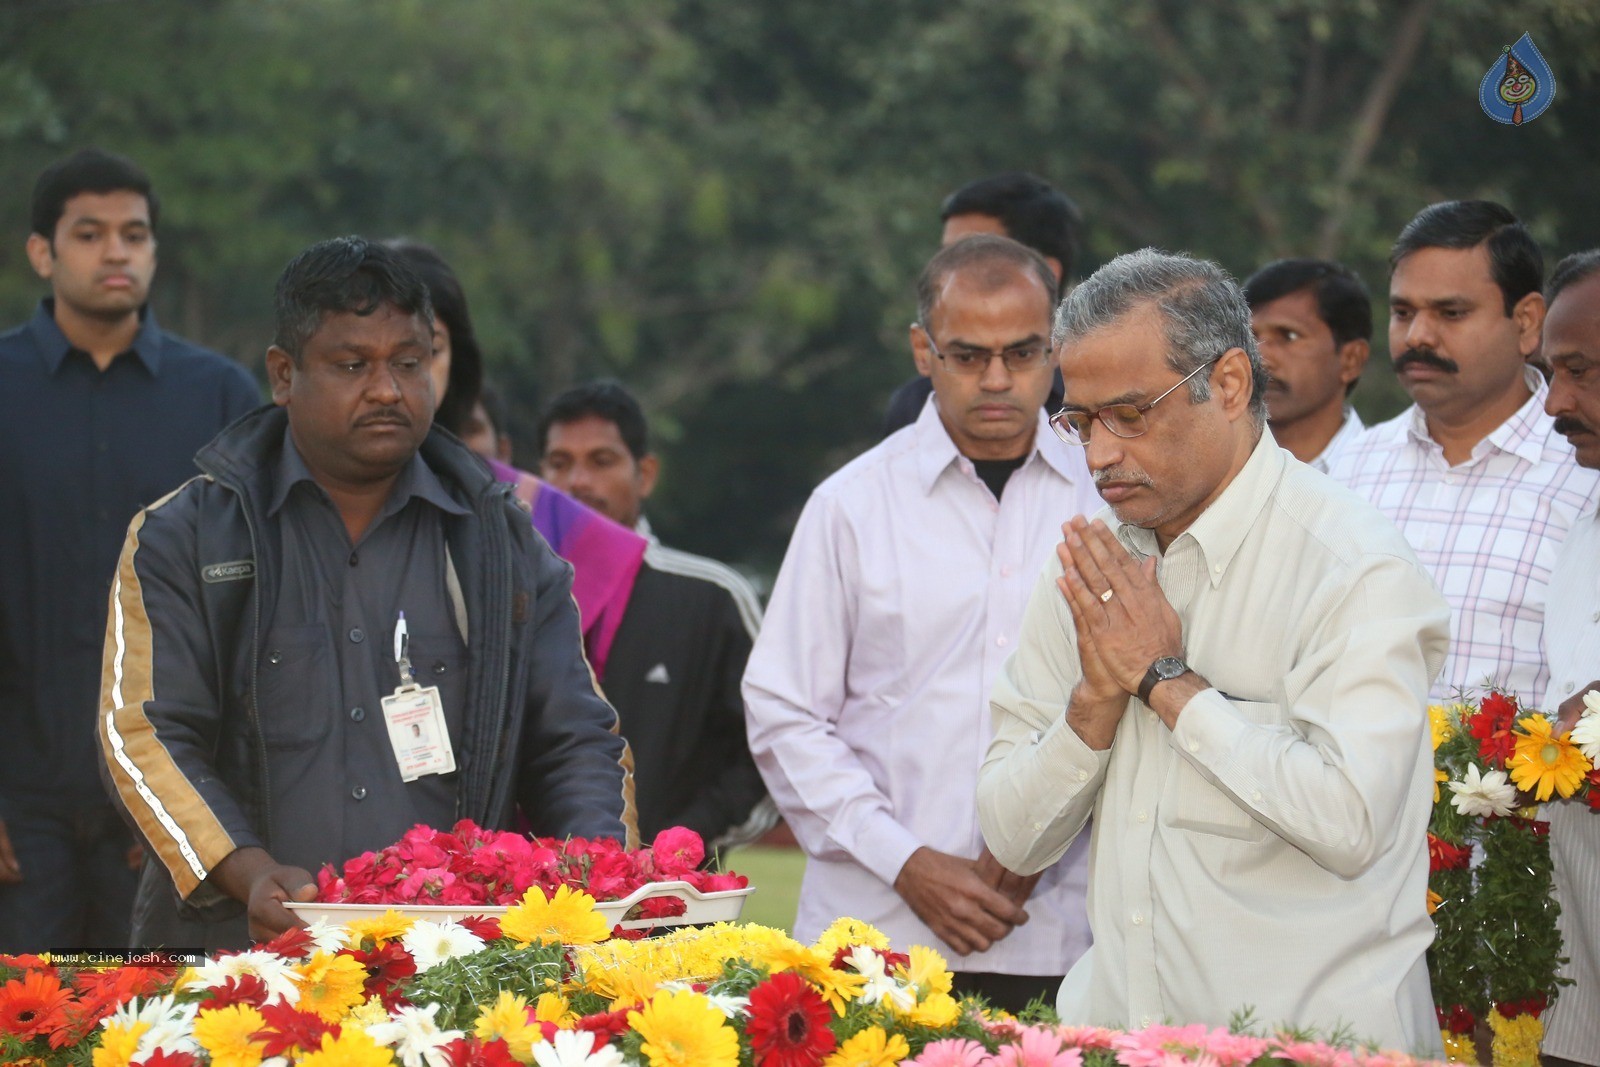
{"type": "Point", "coordinates": [1169, 667]}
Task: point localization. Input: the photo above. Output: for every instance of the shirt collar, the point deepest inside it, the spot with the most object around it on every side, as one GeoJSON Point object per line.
{"type": "Point", "coordinates": [642, 528]}
{"type": "Point", "coordinates": [936, 451]}
{"type": "Point", "coordinates": [1522, 435]}
{"type": "Point", "coordinates": [53, 345]}
{"type": "Point", "coordinates": [1221, 528]}
{"type": "Point", "coordinates": [416, 479]}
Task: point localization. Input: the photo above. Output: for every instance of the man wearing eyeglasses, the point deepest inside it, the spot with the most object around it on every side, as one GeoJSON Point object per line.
{"type": "Point", "coordinates": [900, 596]}
{"type": "Point", "coordinates": [1229, 668]}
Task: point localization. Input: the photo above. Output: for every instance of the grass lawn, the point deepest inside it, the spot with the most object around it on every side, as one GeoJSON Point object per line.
{"type": "Point", "coordinates": [775, 873]}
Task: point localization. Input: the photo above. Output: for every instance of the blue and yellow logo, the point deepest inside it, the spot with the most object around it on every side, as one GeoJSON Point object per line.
{"type": "Point", "coordinates": [1518, 86]}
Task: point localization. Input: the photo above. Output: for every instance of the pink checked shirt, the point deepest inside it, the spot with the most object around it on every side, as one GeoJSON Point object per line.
{"type": "Point", "coordinates": [1487, 530]}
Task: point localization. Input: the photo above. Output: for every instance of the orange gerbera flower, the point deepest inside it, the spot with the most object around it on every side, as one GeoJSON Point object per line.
{"type": "Point", "coordinates": [1544, 763]}
{"type": "Point", "coordinates": [33, 1004]}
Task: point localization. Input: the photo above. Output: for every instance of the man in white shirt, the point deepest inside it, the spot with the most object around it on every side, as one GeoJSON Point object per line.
{"type": "Point", "coordinates": [1229, 671]}
{"type": "Point", "coordinates": [1312, 320]}
{"type": "Point", "coordinates": [900, 596]}
{"type": "Point", "coordinates": [1473, 473]}
{"type": "Point", "coordinates": [1571, 348]}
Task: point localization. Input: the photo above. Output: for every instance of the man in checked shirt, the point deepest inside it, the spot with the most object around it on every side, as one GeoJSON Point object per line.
{"type": "Point", "coordinates": [1473, 472]}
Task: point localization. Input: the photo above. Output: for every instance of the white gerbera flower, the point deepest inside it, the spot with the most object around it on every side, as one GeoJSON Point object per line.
{"type": "Point", "coordinates": [1586, 734]}
{"type": "Point", "coordinates": [431, 943]}
{"type": "Point", "coordinates": [576, 1048]}
{"type": "Point", "coordinates": [275, 972]}
{"type": "Point", "coordinates": [329, 937]}
{"type": "Point", "coordinates": [1487, 794]}
{"type": "Point", "coordinates": [415, 1036]}
{"type": "Point", "coordinates": [731, 1006]}
{"type": "Point", "coordinates": [170, 1024]}
{"type": "Point", "coordinates": [881, 988]}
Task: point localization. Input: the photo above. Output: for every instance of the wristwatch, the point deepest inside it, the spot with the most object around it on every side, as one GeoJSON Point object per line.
{"type": "Point", "coordinates": [1162, 670]}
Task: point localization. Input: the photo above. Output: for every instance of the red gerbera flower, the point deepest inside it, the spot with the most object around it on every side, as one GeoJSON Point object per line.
{"type": "Point", "coordinates": [471, 1052]}
{"type": "Point", "coordinates": [163, 1058]}
{"type": "Point", "coordinates": [289, 1029]}
{"type": "Point", "coordinates": [1443, 856]}
{"type": "Point", "coordinates": [1492, 725]}
{"type": "Point", "coordinates": [484, 927]}
{"type": "Point", "coordinates": [605, 1025]}
{"type": "Point", "coordinates": [33, 1004]}
{"type": "Point", "coordinates": [294, 943]}
{"type": "Point", "coordinates": [788, 1023]}
{"type": "Point", "coordinates": [1594, 789]}
{"type": "Point", "coordinates": [237, 989]}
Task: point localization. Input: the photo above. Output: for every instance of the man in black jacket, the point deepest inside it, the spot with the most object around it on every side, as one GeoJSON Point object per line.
{"type": "Point", "coordinates": [340, 575]}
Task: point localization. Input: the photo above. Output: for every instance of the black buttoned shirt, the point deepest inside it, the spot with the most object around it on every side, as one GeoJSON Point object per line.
{"type": "Point", "coordinates": [81, 451]}
{"type": "Point", "coordinates": [329, 660]}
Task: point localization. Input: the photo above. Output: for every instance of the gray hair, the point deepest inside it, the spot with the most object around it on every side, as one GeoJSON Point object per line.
{"type": "Point", "coordinates": [1202, 308]}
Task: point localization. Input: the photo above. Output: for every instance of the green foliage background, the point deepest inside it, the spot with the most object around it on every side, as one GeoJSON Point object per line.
{"type": "Point", "coordinates": [725, 203]}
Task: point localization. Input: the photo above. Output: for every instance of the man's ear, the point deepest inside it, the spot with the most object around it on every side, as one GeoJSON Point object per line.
{"type": "Point", "coordinates": [1529, 316]}
{"type": "Point", "coordinates": [1353, 359]}
{"type": "Point", "coordinates": [41, 255]}
{"type": "Point", "coordinates": [1233, 380]}
{"type": "Point", "coordinates": [280, 375]}
{"type": "Point", "coordinates": [921, 354]}
{"type": "Point", "coordinates": [649, 471]}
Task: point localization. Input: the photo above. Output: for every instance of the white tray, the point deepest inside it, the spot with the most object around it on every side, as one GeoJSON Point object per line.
{"type": "Point", "coordinates": [698, 908]}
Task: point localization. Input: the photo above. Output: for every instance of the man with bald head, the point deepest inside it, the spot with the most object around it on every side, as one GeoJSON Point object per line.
{"type": "Point", "coordinates": [900, 596]}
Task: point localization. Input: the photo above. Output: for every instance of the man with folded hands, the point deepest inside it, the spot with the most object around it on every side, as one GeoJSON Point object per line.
{"type": "Point", "coordinates": [1228, 669]}
{"type": "Point", "coordinates": [344, 628]}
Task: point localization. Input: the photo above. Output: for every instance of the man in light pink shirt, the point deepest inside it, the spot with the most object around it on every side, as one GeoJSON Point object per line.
{"type": "Point", "coordinates": [867, 693]}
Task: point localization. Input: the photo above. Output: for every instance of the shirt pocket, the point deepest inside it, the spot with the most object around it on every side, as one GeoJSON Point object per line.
{"type": "Point", "coordinates": [440, 660]}
{"type": "Point", "coordinates": [1200, 807]}
{"type": "Point", "coordinates": [297, 687]}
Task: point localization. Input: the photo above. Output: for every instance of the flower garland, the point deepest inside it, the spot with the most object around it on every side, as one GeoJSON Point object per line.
{"type": "Point", "coordinates": [1497, 952]}
{"type": "Point", "coordinates": [538, 987]}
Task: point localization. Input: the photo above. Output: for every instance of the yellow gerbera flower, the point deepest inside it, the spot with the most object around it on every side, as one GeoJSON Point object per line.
{"type": "Point", "coordinates": [1439, 721]}
{"type": "Point", "coordinates": [846, 932]}
{"type": "Point", "coordinates": [330, 985]}
{"type": "Point", "coordinates": [870, 1048]}
{"type": "Point", "coordinates": [1439, 778]}
{"type": "Point", "coordinates": [507, 1019]}
{"type": "Point", "coordinates": [938, 1010]}
{"type": "Point", "coordinates": [568, 918]}
{"type": "Point", "coordinates": [553, 1008]}
{"type": "Point", "coordinates": [1434, 900]}
{"type": "Point", "coordinates": [118, 1043]}
{"type": "Point", "coordinates": [1544, 763]}
{"type": "Point", "coordinates": [352, 1048]}
{"type": "Point", "coordinates": [927, 971]}
{"type": "Point", "coordinates": [681, 1028]}
{"type": "Point", "coordinates": [390, 926]}
{"type": "Point", "coordinates": [227, 1034]}
{"type": "Point", "coordinates": [369, 1014]}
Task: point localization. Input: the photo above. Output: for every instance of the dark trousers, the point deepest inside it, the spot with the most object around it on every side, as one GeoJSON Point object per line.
{"type": "Point", "coordinates": [76, 889]}
{"type": "Point", "coordinates": [1012, 992]}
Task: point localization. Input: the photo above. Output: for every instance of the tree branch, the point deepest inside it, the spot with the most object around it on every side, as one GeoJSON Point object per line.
{"type": "Point", "coordinates": [1369, 123]}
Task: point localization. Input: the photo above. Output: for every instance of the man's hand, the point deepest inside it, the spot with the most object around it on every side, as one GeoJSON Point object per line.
{"type": "Point", "coordinates": [1131, 628]}
{"type": "Point", "coordinates": [252, 876]}
{"type": "Point", "coordinates": [10, 869]}
{"type": "Point", "coordinates": [1572, 709]}
{"type": "Point", "coordinates": [1016, 887]}
{"type": "Point", "coordinates": [951, 896]}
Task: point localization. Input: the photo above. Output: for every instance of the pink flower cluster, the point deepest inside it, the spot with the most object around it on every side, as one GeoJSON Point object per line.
{"type": "Point", "coordinates": [1155, 1046]}
{"type": "Point", "coordinates": [470, 865]}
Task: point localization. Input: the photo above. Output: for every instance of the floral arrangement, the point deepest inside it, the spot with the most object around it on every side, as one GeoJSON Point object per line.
{"type": "Point", "coordinates": [1497, 952]}
{"type": "Point", "coordinates": [541, 986]}
{"type": "Point", "coordinates": [467, 865]}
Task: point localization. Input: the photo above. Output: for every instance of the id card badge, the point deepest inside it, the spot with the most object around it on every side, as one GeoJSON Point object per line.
{"type": "Point", "coordinates": [415, 717]}
{"type": "Point", "coordinates": [417, 732]}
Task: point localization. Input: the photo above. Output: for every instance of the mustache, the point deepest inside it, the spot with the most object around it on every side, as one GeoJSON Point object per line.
{"type": "Point", "coordinates": [1121, 475]}
{"type": "Point", "coordinates": [385, 417]}
{"type": "Point", "coordinates": [1425, 357]}
{"type": "Point", "coordinates": [1566, 424]}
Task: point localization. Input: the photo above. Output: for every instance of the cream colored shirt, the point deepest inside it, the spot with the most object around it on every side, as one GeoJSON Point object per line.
{"type": "Point", "coordinates": [1270, 851]}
